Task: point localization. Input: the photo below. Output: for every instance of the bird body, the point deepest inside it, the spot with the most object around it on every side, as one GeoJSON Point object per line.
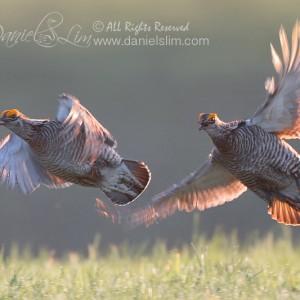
{"type": "Point", "coordinates": [249, 154]}
{"type": "Point", "coordinates": [74, 148]}
{"type": "Point", "coordinates": [265, 164]}
{"type": "Point", "coordinates": [48, 144]}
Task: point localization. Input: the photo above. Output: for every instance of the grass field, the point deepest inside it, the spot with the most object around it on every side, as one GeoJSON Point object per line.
{"type": "Point", "coordinates": [217, 268]}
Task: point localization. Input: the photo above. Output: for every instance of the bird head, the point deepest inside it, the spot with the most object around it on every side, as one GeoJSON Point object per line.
{"type": "Point", "coordinates": [10, 118]}
{"type": "Point", "coordinates": [207, 121]}
{"type": "Point", "coordinates": [18, 123]}
{"type": "Point", "coordinates": [15, 121]}
{"type": "Point", "coordinates": [210, 123]}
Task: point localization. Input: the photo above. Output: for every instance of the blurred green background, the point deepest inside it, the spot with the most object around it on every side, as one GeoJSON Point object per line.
{"type": "Point", "coordinates": [148, 97]}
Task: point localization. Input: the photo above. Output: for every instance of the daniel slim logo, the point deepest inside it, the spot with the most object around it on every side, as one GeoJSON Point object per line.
{"type": "Point", "coordinates": [51, 31]}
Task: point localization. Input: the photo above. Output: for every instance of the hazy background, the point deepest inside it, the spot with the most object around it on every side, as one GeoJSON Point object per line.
{"type": "Point", "coordinates": [149, 98]}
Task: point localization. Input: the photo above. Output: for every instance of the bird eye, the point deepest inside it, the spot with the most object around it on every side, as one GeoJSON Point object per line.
{"type": "Point", "coordinates": [212, 119]}
{"type": "Point", "coordinates": [13, 117]}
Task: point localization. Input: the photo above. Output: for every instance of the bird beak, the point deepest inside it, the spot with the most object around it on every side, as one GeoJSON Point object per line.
{"type": "Point", "coordinates": [199, 123]}
{"type": "Point", "coordinates": [202, 121]}
{"type": "Point", "coordinates": [202, 125]}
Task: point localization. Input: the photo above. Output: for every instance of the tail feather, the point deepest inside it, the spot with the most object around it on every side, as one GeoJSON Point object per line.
{"type": "Point", "coordinates": [140, 171]}
{"type": "Point", "coordinates": [284, 213]}
{"type": "Point", "coordinates": [131, 185]}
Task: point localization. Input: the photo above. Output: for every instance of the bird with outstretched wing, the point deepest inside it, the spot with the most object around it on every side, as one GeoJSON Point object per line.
{"type": "Point", "coordinates": [247, 154]}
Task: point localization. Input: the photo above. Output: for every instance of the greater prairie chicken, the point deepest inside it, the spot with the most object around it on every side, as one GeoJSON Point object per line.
{"type": "Point", "coordinates": [247, 154]}
{"type": "Point", "coordinates": [72, 148]}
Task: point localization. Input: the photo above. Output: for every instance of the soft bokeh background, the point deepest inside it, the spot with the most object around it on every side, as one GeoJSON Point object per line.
{"type": "Point", "coordinates": [149, 98]}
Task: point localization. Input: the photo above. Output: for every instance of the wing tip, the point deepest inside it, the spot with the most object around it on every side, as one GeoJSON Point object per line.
{"type": "Point", "coordinates": [107, 211]}
{"type": "Point", "coordinates": [289, 57]}
{"type": "Point", "coordinates": [125, 215]}
{"type": "Point", "coordinates": [67, 96]}
{"type": "Point", "coordinates": [66, 103]}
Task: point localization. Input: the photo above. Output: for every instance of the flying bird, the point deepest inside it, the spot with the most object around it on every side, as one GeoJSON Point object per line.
{"type": "Point", "coordinates": [247, 154]}
{"type": "Point", "coordinates": [74, 148]}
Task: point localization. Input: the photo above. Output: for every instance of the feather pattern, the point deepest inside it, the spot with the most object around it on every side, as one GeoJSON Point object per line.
{"type": "Point", "coordinates": [77, 120]}
{"type": "Point", "coordinates": [19, 167]}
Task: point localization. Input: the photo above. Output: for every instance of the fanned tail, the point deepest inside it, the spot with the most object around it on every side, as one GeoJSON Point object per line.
{"type": "Point", "coordinates": [128, 182]}
{"type": "Point", "coordinates": [284, 213]}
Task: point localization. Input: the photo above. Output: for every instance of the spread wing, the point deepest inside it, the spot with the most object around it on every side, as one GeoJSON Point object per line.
{"type": "Point", "coordinates": [210, 185]}
{"type": "Point", "coordinates": [18, 167]}
{"type": "Point", "coordinates": [280, 113]}
{"type": "Point", "coordinates": [80, 125]}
